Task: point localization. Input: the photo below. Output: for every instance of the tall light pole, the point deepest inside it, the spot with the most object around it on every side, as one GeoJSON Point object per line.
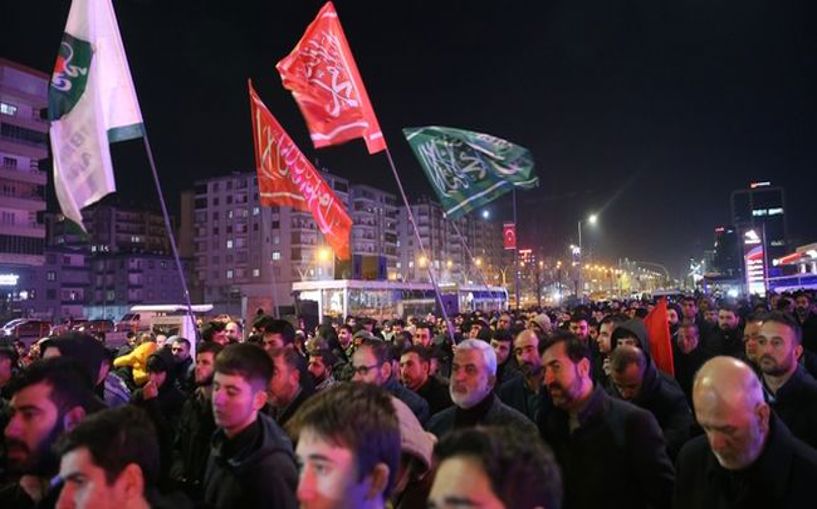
{"type": "Point", "coordinates": [592, 219]}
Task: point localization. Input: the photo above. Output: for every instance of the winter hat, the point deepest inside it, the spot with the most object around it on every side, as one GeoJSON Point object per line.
{"type": "Point", "coordinates": [542, 321]}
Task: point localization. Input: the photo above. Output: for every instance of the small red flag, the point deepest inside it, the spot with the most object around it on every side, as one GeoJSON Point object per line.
{"type": "Point", "coordinates": [509, 235]}
{"type": "Point", "coordinates": [323, 77]}
{"type": "Point", "coordinates": [659, 337]}
{"type": "Point", "coordinates": [287, 178]}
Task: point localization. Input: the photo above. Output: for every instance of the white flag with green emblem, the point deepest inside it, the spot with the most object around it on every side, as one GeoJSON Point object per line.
{"type": "Point", "coordinates": [91, 103]}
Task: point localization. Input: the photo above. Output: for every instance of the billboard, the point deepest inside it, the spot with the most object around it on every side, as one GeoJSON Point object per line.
{"type": "Point", "coordinates": [754, 258]}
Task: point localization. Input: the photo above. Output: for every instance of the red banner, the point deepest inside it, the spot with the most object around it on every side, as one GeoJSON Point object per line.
{"type": "Point", "coordinates": [509, 235]}
{"type": "Point", "coordinates": [323, 77]}
{"type": "Point", "coordinates": [659, 337]}
{"type": "Point", "coordinates": [287, 178]}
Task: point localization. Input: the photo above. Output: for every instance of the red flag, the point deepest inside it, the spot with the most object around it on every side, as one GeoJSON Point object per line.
{"type": "Point", "coordinates": [323, 77]}
{"type": "Point", "coordinates": [286, 177]}
{"type": "Point", "coordinates": [509, 235]}
{"type": "Point", "coordinates": [659, 337]}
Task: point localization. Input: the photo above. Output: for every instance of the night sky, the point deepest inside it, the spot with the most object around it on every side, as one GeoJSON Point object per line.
{"type": "Point", "coordinates": [649, 112]}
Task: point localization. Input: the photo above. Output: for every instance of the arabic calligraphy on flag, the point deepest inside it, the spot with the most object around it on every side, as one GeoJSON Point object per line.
{"type": "Point", "coordinates": [287, 178]}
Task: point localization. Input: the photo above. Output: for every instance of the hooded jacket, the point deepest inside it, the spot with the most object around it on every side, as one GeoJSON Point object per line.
{"type": "Point", "coordinates": [255, 469]}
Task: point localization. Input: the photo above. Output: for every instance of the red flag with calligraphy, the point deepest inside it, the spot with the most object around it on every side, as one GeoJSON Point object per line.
{"type": "Point", "coordinates": [287, 178]}
{"type": "Point", "coordinates": [509, 235]}
{"type": "Point", "coordinates": [659, 337]}
{"type": "Point", "coordinates": [323, 77]}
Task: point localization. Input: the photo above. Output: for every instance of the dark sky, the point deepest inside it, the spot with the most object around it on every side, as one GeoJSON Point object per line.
{"type": "Point", "coordinates": [650, 111]}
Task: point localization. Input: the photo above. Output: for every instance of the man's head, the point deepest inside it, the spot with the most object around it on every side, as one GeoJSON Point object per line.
{"type": "Point", "coordinates": [321, 364]}
{"type": "Point", "coordinates": [494, 468]}
{"type": "Point", "coordinates": [180, 349]}
{"type": "Point", "coordinates": [278, 334]}
{"type": "Point", "coordinates": [473, 372]}
{"type": "Point", "coordinates": [627, 367]}
{"type": "Point", "coordinates": [479, 328]}
{"type": "Point", "coordinates": [83, 349]}
{"type": "Point", "coordinates": [751, 332]}
{"type": "Point", "coordinates": [110, 460]}
{"type": "Point", "coordinates": [286, 376]}
{"type": "Point", "coordinates": [689, 308]}
{"type": "Point", "coordinates": [566, 361]}
{"type": "Point", "coordinates": [415, 365]}
{"type": "Point", "coordinates": [348, 447]}
{"type": "Point", "coordinates": [234, 332]}
{"type": "Point", "coordinates": [526, 351]}
{"type": "Point", "coordinates": [48, 398]}
{"type": "Point", "coordinates": [422, 334]}
{"type": "Point", "coordinates": [159, 367]}
{"type": "Point", "coordinates": [579, 326]}
{"type": "Point", "coordinates": [502, 343]}
{"type": "Point", "coordinates": [214, 331]}
{"type": "Point", "coordinates": [729, 406]}
{"type": "Point", "coordinates": [779, 344]}
{"type": "Point", "coordinates": [371, 362]}
{"type": "Point", "coordinates": [688, 337]}
{"type": "Point", "coordinates": [728, 318]}
{"type": "Point", "coordinates": [606, 327]}
{"type": "Point", "coordinates": [345, 334]}
{"type": "Point", "coordinates": [504, 322]}
{"type": "Point", "coordinates": [8, 359]}
{"type": "Point", "coordinates": [242, 375]}
{"type": "Point", "coordinates": [802, 304]}
{"type": "Point", "coordinates": [206, 353]}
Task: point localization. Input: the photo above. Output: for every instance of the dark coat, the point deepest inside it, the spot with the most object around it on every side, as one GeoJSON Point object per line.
{"type": "Point", "coordinates": [490, 412]}
{"type": "Point", "coordinates": [724, 342]}
{"type": "Point", "coordinates": [436, 394]}
{"type": "Point", "coordinates": [515, 394]}
{"type": "Point", "coordinates": [796, 404]}
{"type": "Point", "coordinates": [191, 447]}
{"type": "Point", "coordinates": [418, 405]}
{"type": "Point", "coordinates": [283, 415]}
{"type": "Point", "coordinates": [664, 399]}
{"type": "Point", "coordinates": [686, 365]}
{"type": "Point", "coordinates": [809, 326]}
{"type": "Point", "coordinates": [783, 477]}
{"type": "Point", "coordinates": [261, 473]}
{"type": "Point", "coordinates": [616, 458]}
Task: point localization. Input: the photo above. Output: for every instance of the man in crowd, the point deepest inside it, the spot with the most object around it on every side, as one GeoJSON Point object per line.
{"type": "Point", "coordinates": [635, 379]}
{"type": "Point", "coordinates": [522, 392]}
{"type": "Point", "coordinates": [727, 339]}
{"type": "Point", "coordinates": [506, 368]}
{"type": "Point", "coordinates": [234, 331]}
{"type": "Point", "coordinates": [251, 462]}
{"type": "Point", "coordinates": [8, 363]}
{"type": "Point", "coordinates": [415, 373]}
{"type": "Point", "coordinates": [751, 331]}
{"type": "Point", "coordinates": [748, 457]}
{"type": "Point", "coordinates": [604, 342]}
{"type": "Point", "coordinates": [287, 389]}
{"type": "Point", "coordinates": [807, 319]}
{"type": "Point", "coordinates": [504, 322]}
{"type": "Point", "coordinates": [48, 398]}
{"type": "Point", "coordinates": [278, 334]}
{"type": "Point", "coordinates": [492, 468]}
{"type": "Point", "coordinates": [371, 364]}
{"type": "Point", "coordinates": [215, 331]}
{"type": "Point", "coordinates": [789, 390]}
{"type": "Point", "coordinates": [473, 376]}
{"type": "Point", "coordinates": [688, 355]}
{"type": "Point", "coordinates": [321, 367]}
{"type": "Point", "coordinates": [110, 460]}
{"type": "Point", "coordinates": [604, 443]}
{"type": "Point", "coordinates": [580, 327]}
{"type": "Point", "coordinates": [422, 335]}
{"type": "Point", "coordinates": [348, 448]}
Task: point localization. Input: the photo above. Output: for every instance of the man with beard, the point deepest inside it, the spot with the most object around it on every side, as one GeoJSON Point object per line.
{"type": "Point", "coordinates": [522, 392]}
{"type": "Point", "coordinates": [688, 355]}
{"type": "Point", "coordinates": [289, 386]}
{"type": "Point", "coordinates": [183, 364]}
{"type": "Point", "coordinates": [727, 337]}
{"type": "Point", "coordinates": [604, 343]}
{"type": "Point", "coordinates": [473, 376]}
{"type": "Point", "coordinates": [415, 373]}
{"type": "Point", "coordinates": [748, 457]}
{"type": "Point", "coordinates": [234, 332]}
{"type": "Point", "coordinates": [506, 368]}
{"type": "Point", "coordinates": [49, 398]}
{"type": "Point", "coordinates": [789, 389]}
{"type": "Point", "coordinates": [751, 331]}
{"type": "Point", "coordinates": [612, 453]}
{"type": "Point", "coordinates": [321, 368]}
{"type": "Point", "coordinates": [807, 319]}
{"type": "Point", "coordinates": [196, 425]}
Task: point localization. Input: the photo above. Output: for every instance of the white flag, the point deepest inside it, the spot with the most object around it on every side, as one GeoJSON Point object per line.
{"type": "Point", "coordinates": [91, 103]}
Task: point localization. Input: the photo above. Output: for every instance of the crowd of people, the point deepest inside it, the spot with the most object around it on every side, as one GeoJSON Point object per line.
{"type": "Point", "coordinates": [550, 408]}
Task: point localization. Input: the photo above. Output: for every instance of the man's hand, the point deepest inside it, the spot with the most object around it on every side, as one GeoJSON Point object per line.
{"type": "Point", "coordinates": [150, 390]}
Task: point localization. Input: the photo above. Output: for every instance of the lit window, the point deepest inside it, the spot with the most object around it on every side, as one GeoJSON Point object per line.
{"type": "Point", "coordinates": [229, 273]}
{"type": "Point", "coordinates": [8, 109]}
{"type": "Point", "coordinates": [276, 255]}
{"type": "Point", "coordinates": [256, 211]}
{"type": "Point", "coordinates": [229, 244]}
{"type": "Point", "coordinates": [256, 272]}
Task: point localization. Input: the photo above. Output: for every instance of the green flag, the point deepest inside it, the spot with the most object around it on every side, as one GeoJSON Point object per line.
{"type": "Point", "coordinates": [469, 169]}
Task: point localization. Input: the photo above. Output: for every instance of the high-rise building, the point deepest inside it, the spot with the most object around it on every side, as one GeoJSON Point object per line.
{"type": "Point", "coordinates": [763, 206]}
{"type": "Point", "coordinates": [375, 239]}
{"type": "Point", "coordinates": [728, 255]}
{"type": "Point", "coordinates": [23, 145]}
{"type": "Point", "coordinates": [115, 229]}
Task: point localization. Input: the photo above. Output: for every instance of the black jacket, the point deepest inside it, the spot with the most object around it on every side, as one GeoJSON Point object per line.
{"type": "Point", "coordinates": [664, 399]}
{"type": "Point", "coordinates": [515, 394]}
{"type": "Point", "coordinates": [489, 412]}
{"type": "Point", "coordinates": [284, 414]}
{"type": "Point", "coordinates": [418, 405]}
{"type": "Point", "coordinates": [796, 404]}
{"type": "Point", "coordinates": [809, 326]}
{"type": "Point", "coordinates": [724, 342]}
{"type": "Point", "coordinates": [686, 365]}
{"type": "Point", "coordinates": [436, 394]}
{"type": "Point", "coordinates": [616, 458]}
{"type": "Point", "coordinates": [191, 447]}
{"type": "Point", "coordinates": [783, 477]}
{"type": "Point", "coordinates": [256, 469]}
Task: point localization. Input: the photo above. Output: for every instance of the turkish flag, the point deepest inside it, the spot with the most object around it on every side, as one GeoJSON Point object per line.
{"type": "Point", "coordinates": [287, 178]}
{"type": "Point", "coordinates": [659, 337]}
{"type": "Point", "coordinates": [323, 77]}
{"type": "Point", "coordinates": [509, 235]}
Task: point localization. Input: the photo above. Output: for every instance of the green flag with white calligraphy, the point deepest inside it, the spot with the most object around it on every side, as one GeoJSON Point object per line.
{"type": "Point", "coordinates": [469, 169]}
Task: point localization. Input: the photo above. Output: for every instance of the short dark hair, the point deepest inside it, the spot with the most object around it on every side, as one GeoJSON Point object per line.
{"type": "Point", "coordinates": [622, 357]}
{"type": "Point", "coordinates": [726, 305]}
{"type": "Point", "coordinates": [116, 438]}
{"type": "Point", "coordinates": [8, 352]}
{"type": "Point", "coordinates": [523, 472]}
{"type": "Point", "coordinates": [282, 327]}
{"type": "Point", "coordinates": [425, 325]}
{"type": "Point", "coordinates": [185, 341]}
{"type": "Point", "coordinates": [246, 360]}
{"type": "Point", "coordinates": [578, 317]}
{"type": "Point", "coordinates": [616, 319]}
{"type": "Point", "coordinates": [70, 383]}
{"type": "Point", "coordinates": [328, 358]}
{"type": "Point", "coordinates": [787, 320]}
{"type": "Point", "coordinates": [83, 348]}
{"type": "Point", "coordinates": [502, 335]}
{"type": "Point", "coordinates": [575, 349]}
{"type": "Point", "coordinates": [347, 327]}
{"type": "Point", "coordinates": [209, 347]}
{"type": "Point", "coordinates": [210, 329]}
{"type": "Point", "coordinates": [380, 349]}
{"type": "Point", "coordinates": [291, 358]}
{"type": "Point", "coordinates": [356, 416]}
{"type": "Point", "coordinates": [690, 325]}
{"type": "Point", "coordinates": [422, 352]}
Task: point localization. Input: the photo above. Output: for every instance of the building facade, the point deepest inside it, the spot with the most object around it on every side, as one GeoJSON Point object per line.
{"type": "Point", "coordinates": [763, 206]}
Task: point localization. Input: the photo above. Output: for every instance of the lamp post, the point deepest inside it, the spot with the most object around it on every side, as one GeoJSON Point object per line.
{"type": "Point", "coordinates": [592, 219]}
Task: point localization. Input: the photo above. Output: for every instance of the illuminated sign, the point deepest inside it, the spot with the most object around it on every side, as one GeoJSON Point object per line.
{"type": "Point", "coordinates": [755, 185]}
{"type": "Point", "coordinates": [754, 263]}
{"type": "Point", "coordinates": [9, 279]}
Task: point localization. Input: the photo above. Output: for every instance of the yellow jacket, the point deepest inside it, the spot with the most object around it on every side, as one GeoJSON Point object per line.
{"type": "Point", "coordinates": [137, 360]}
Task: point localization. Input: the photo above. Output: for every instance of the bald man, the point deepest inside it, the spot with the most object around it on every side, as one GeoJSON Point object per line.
{"type": "Point", "coordinates": [748, 457]}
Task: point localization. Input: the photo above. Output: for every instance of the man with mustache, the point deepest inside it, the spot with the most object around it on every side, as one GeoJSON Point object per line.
{"type": "Point", "coordinates": [49, 398]}
{"type": "Point", "coordinates": [522, 392]}
{"type": "Point", "coordinates": [789, 389]}
{"type": "Point", "coordinates": [612, 453]}
{"type": "Point", "coordinates": [473, 376]}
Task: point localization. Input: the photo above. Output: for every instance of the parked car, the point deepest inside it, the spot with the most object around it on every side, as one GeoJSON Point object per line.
{"type": "Point", "coordinates": [27, 328]}
{"type": "Point", "coordinates": [94, 326]}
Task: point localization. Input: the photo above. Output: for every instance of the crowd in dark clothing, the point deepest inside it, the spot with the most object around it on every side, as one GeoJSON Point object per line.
{"type": "Point", "coordinates": [608, 423]}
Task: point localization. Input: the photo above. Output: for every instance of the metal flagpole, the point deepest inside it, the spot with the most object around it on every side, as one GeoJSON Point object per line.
{"type": "Point", "coordinates": [515, 252]}
{"type": "Point", "coordinates": [410, 214]}
{"type": "Point", "coordinates": [471, 256]}
{"type": "Point", "coordinates": [170, 231]}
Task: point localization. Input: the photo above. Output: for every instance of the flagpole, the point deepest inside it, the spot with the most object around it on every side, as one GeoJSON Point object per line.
{"type": "Point", "coordinates": [169, 230]}
{"type": "Point", "coordinates": [410, 214]}
{"type": "Point", "coordinates": [516, 252]}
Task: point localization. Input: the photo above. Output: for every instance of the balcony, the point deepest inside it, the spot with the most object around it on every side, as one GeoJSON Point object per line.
{"type": "Point", "coordinates": [24, 230]}
{"type": "Point", "coordinates": [29, 202]}
{"type": "Point", "coordinates": [19, 175]}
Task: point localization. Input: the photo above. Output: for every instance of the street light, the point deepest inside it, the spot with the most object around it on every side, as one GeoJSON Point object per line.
{"type": "Point", "coordinates": [592, 219]}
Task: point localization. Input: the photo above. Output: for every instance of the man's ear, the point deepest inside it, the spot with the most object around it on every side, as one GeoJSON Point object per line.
{"type": "Point", "coordinates": [764, 413]}
{"type": "Point", "coordinates": [72, 418]}
{"type": "Point", "coordinates": [260, 399]}
{"type": "Point", "coordinates": [131, 481]}
{"type": "Point", "coordinates": [798, 352]}
{"type": "Point", "coordinates": [491, 381]}
{"type": "Point", "coordinates": [584, 366]}
{"type": "Point", "coordinates": [385, 369]}
{"type": "Point", "coordinates": [378, 480]}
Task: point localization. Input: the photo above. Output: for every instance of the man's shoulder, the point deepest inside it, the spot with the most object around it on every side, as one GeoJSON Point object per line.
{"type": "Point", "coordinates": [442, 421]}
{"type": "Point", "coordinates": [501, 414]}
{"type": "Point", "coordinates": [695, 451]}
